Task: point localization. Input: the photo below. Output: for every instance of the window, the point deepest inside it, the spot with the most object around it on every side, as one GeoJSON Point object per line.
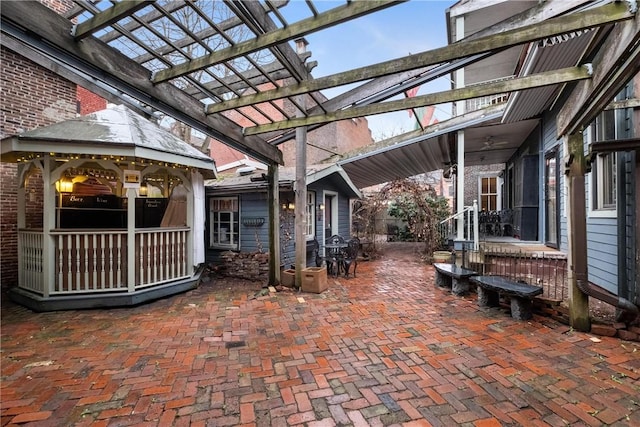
{"type": "Point", "coordinates": [311, 215]}
{"type": "Point", "coordinates": [604, 184]}
{"type": "Point", "coordinates": [551, 193]}
{"type": "Point", "coordinates": [489, 193]}
{"type": "Point", "coordinates": [224, 220]}
{"type": "Point", "coordinates": [603, 170]}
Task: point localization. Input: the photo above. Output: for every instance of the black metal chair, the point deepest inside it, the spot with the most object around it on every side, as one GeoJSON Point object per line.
{"type": "Point", "coordinates": [506, 222]}
{"type": "Point", "coordinates": [351, 256]}
{"type": "Point", "coordinates": [334, 256]}
{"type": "Point", "coordinates": [315, 252]}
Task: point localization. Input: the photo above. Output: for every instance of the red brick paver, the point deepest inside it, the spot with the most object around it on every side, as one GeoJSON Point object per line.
{"type": "Point", "coordinates": [385, 348]}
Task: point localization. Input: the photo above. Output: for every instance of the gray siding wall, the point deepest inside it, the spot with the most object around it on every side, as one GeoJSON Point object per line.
{"type": "Point", "coordinates": [254, 239]}
{"type": "Point", "coordinates": [602, 252]}
{"type": "Point", "coordinates": [287, 233]}
{"type": "Point", "coordinates": [549, 143]}
{"type": "Point", "coordinates": [344, 204]}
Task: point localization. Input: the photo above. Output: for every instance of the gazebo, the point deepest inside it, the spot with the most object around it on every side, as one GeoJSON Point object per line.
{"type": "Point", "coordinates": [110, 212]}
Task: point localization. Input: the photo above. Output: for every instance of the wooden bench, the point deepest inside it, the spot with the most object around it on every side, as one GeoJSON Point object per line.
{"type": "Point", "coordinates": [454, 276]}
{"type": "Point", "coordinates": [521, 294]}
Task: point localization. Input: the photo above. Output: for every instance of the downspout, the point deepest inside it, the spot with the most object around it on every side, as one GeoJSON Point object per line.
{"type": "Point", "coordinates": [629, 311]}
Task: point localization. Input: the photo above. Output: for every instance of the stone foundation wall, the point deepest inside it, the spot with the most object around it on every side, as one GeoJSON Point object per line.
{"type": "Point", "coordinates": [250, 266]}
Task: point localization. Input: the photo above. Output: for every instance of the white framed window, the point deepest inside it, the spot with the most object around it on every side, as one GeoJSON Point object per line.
{"type": "Point", "coordinates": [489, 193]}
{"type": "Point", "coordinates": [311, 215]}
{"type": "Point", "coordinates": [602, 179]}
{"type": "Point", "coordinates": [224, 220]}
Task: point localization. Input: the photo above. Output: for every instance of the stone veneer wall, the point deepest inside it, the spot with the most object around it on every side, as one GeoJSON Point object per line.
{"type": "Point", "coordinates": [250, 266]}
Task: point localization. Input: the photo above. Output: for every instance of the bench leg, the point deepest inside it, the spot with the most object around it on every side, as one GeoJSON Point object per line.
{"type": "Point", "coordinates": [442, 280]}
{"type": "Point", "coordinates": [488, 298]}
{"type": "Point", "coordinates": [459, 286]}
{"type": "Point", "coordinates": [521, 308]}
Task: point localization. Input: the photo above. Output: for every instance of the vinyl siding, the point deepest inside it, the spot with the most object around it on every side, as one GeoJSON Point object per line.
{"type": "Point", "coordinates": [550, 142]}
{"type": "Point", "coordinates": [602, 252]}
{"type": "Point", "coordinates": [254, 239]}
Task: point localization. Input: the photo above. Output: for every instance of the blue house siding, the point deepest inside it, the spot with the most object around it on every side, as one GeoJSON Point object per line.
{"type": "Point", "coordinates": [254, 238]}
{"type": "Point", "coordinates": [343, 206]}
{"type": "Point", "coordinates": [602, 252]}
{"type": "Point", "coordinates": [550, 143]}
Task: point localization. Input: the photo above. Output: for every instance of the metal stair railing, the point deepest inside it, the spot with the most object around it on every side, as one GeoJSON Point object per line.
{"type": "Point", "coordinates": [470, 229]}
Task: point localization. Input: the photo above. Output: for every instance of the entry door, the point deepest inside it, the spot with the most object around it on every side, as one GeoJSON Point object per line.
{"type": "Point", "coordinates": [330, 215]}
{"type": "Point", "coordinates": [551, 188]}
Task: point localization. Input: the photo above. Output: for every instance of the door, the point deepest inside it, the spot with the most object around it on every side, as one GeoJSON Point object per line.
{"type": "Point", "coordinates": [330, 214]}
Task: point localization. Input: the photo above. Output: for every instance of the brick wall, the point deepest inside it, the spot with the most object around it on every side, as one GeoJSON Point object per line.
{"type": "Point", "coordinates": [31, 96]}
{"type": "Point", "coordinates": [89, 102]}
{"type": "Point", "coordinates": [471, 176]}
{"type": "Point", "coordinates": [337, 137]}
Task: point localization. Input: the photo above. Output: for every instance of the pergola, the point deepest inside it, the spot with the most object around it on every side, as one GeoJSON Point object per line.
{"type": "Point", "coordinates": [223, 68]}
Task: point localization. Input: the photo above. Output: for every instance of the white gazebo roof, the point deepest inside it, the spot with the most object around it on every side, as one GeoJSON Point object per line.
{"type": "Point", "coordinates": [113, 131]}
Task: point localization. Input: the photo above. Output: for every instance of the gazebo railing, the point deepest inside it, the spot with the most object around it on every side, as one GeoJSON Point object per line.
{"type": "Point", "coordinates": [30, 265]}
{"type": "Point", "coordinates": [90, 261]}
{"type": "Point", "coordinates": [161, 255]}
{"type": "Point", "coordinates": [96, 261]}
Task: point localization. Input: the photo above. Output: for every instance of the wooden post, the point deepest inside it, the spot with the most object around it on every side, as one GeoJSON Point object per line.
{"type": "Point", "coordinates": [301, 197]}
{"type": "Point", "coordinates": [273, 195]}
{"type": "Point", "coordinates": [131, 240]}
{"type": "Point", "coordinates": [577, 231]}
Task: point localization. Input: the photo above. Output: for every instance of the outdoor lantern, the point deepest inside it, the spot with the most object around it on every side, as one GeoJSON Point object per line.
{"type": "Point", "coordinates": [291, 206]}
{"type": "Point", "coordinates": [144, 189]}
{"type": "Point", "coordinates": [321, 206]}
{"type": "Point", "coordinates": [65, 185]}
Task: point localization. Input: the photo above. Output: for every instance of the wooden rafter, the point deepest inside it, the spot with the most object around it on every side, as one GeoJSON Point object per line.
{"type": "Point", "coordinates": [536, 80]}
{"type": "Point", "coordinates": [591, 18]}
{"type": "Point", "coordinates": [615, 64]}
{"type": "Point", "coordinates": [301, 28]}
{"type": "Point", "coordinates": [385, 87]}
{"type": "Point", "coordinates": [254, 11]}
{"type": "Point", "coordinates": [104, 19]}
{"type": "Point", "coordinates": [34, 22]}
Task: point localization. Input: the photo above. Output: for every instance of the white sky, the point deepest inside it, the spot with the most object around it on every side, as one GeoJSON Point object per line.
{"type": "Point", "coordinates": [407, 28]}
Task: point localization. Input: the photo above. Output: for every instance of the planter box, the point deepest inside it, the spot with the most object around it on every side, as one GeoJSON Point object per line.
{"type": "Point", "coordinates": [288, 278]}
{"type": "Point", "coordinates": [442, 257]}
{"type": "Point", "coordinates": [314, 279]}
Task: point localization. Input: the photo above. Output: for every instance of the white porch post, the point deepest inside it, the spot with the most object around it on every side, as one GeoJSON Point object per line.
{"type": "Point", "coordinates": [48, 224]}
{"type": "Point", "coordinates": [190, 204]}
{"type": "Point", "coordinates": [460, 186]}
{"type": "Point", "coordinates": [131, 239]}
{"type": "Point", "coordinates": [21, 196]}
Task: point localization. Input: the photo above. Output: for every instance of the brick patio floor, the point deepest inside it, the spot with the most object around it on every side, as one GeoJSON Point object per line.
{"type": "Point", "coordinates": [386, 348]}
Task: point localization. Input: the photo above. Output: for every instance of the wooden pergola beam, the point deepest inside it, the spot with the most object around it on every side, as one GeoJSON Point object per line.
{"type": "Point", "coordinates": [603, 15]}
{"type": "Point", "coordinates": [616, 63]}
{"type": "Point", "coordinates": [298, 29]}
{"type": "Point", "coordinates": [32, 22]}
{"type": "Point", "coordinates": [392, 85]}
{"type": "Point", "coordinates": [255, 11]}
{"type": "Point", "coordinates": [547, 78]}
{"type": "Point", "coordinates": [104, 19]}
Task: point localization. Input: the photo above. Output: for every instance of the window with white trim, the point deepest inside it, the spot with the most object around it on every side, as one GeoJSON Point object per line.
{"type": "Point", "coordinates": [224, 219]}
{"type": "Point", "coordinates": [489, 193]}
{"type": "Point", "coordinates": [311, 215]}
{"type": "Point", "coordinates": [603, 168]}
